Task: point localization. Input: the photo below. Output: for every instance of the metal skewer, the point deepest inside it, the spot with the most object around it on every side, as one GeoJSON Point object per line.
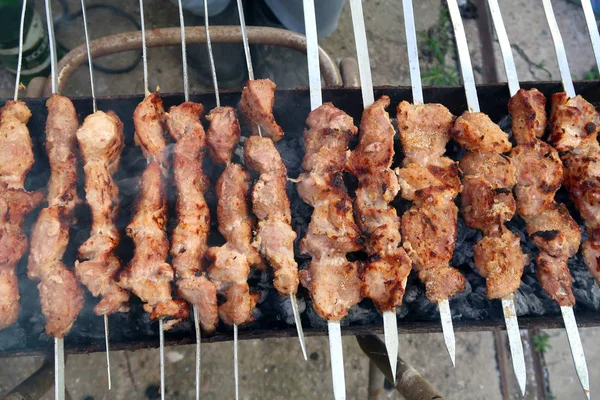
{"type": "Point", "coordinates": [417, 92]}
{"type": "Point", "coordinates": [567, 81]}
{"type": "Point", "coordinates": [590, 19]}
{"type": "Point", "coordinates": [161, 333]}
{"type": "Point", "coordinates": [20, 55]}
{"type": "Point", "coordinates": [186, 96]}
{"type": "Point", "coordinates": [390, 323]}
{"type": "Point", "coordinates": [508, 304]}
{"type": "Point", "coordinates": [314, 78]}
{"type": "Point", "coordinates": [293, 300]}
{"type": "Point", "coordinates": [94, 109]}
{"type": "Point", "coordinates": [59, 344]}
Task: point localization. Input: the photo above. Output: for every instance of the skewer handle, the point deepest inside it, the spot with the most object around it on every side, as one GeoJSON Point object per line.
{"type": "Point", "coordinates": [108, 376]}
{"type": "Point", "coordinates": [198, 354]}
{"type": "Point", "coordinates": [559, 47]}
{"type": "Point", "coordinates": [312, 54]}
{"type": "Point", "coordinates": [590, 19]}
{"type": "Point", "coordinates": [505, 49]}
{"type": "Point", "coordinates": [362, 52]}
{"type": "Point", "coordinates": [161, 336]}
{"type": "Point", "coordinates": [464, 57]}
{"type": "Point", "coordinates": [413, 51]}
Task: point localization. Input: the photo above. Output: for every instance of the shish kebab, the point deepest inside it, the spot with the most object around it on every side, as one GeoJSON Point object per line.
{"type": "Point", "coordinates": [101, 142]}
{"type": "Point", "coordinates": [431, 182]}
{"type": "Point", "coordinates": [190, 236]}
{"type": "Point", "coordinates": [16, 161]}
{"type": "Point", "coordinates": [148, 275]}
{"type": "Point", "coordinates": [61, 297]}
{"type": "Point", "coordinates": [573, 129]}
{"type": "Point", "coordinates": [487, 201]}
{"type": "Point", "coordinates": [539, 174]}
{"type": "Point", "coordinates": [333, 282]}
{"type": "Point", "coordinates": [257, 106]}
{"type": "Point", "coordinates": [387, 269]}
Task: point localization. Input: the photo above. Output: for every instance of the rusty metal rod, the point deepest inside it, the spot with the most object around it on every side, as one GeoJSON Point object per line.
{"type": "Point", "coordinates": [409, 382]}
{"type": "Point", "coordinates": [37, 385]}
{"type": "Point", "coordinates": [194, 35]}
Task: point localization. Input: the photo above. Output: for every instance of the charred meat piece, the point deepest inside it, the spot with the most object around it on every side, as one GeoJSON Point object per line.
{"type": "Point", "coordinates": [539, 175]}
{"type": "Point", "coordinates": [223, 134]}
{"type": "Point", "coordinates": [385, 274]}
{"type": "Point", "coordinates": [274, 237]}
{"type": "Point", "coordinates": [431, 182]}
{"type": "Point", "coordinates": [574, 133]}
{"type": "Point", "coordinates": [61, 296]}
{"type": "Point", "coordinates": [149, 121]}
{"type": "Point", "coordinates": [101, 141]}
{"type": "Point", "coordinates": [487, 201]}
{"type": "Point", "coordinates": [334, 282]}
{"type": "Point", "coordinates": [257, 101]}
{"type": "Point", "coordinates": [148, 275]}
{"type": "Point", "coordinates": [16, 160]}
{"type": "Point", "coordinates": [476, 132]}
{"type": "Point", "coordinates": [230, 264]}
{"type": "Point", "coordinates": [189, 239]}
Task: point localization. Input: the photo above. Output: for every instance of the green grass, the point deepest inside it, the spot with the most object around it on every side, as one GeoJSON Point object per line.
{"type": "Point", "coordinates": [435, 43]}
{"type": "Point", "coordinates": [541, 343]}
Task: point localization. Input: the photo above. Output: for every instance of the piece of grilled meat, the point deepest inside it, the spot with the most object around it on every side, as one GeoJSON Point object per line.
{"type": "Point", "coordinates": [431, 182]}
{"type": "Point", "coordinates": [257, 101]}
{"type": "Point", "coordinates": [148, 275]}
{"type": "Point", "coordinates": [61, 296]}
{"type": "Point", "coordinates": [189, 239]}
{"type": "Point", "coordinates": [16, 160]}
{"type": "Point", "coordinates": [487, 201]}
{"type": "Point", "coordinates": [385, 273]}
{"type": "Point", "coordinates": [101, 142]}
{"type": "Point", "coordinates": [334, 282]}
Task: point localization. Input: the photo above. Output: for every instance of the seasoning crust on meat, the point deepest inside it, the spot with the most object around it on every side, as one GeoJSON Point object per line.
{"type": "Point", "coordinates": [189, 238]}
{"type": "Point", "coordinates": [257, 101]}
{"type": "Point", "coordinates": [16, 160]}
{"type": "Point", "coordinates": [431, 182]}
{"type": "Point", "coordinates": [148, 275]}
{"type": "Point", "coordinates": [333, 282]}
{"type": "Point", "coordinates": [101, 142]}
{"type": "Point", "coordinates": [574, 125]}
{"type": "Point", "coordinates": [61, 296]}
{"type": "Point", "coordinates": [274, 237]}
{"type": "Point", "coordinates": [385, 273]}
{"type": "Point", "coordinates": [487, 202]}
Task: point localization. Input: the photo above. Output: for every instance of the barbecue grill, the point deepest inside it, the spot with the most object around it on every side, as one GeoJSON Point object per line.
{"type": "Point", "coordinates": [471, 310]}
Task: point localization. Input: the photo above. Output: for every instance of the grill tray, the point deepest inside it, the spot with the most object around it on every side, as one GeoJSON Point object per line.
{"type": "Point", "coordinates": [471, 310]}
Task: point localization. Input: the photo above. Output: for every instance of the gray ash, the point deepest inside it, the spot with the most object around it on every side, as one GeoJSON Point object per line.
{"type": "Point", "coordinates": [273, 312]}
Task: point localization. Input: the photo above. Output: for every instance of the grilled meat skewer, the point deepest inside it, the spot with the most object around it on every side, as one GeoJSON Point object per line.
{"type": "Point", "coordinates": [274, 237]}
{"type": "Point", "coordinates": [431, 182]}
{"type": "Point", "coordinates": [61, 296]}
{"type": "Point", "coordinates": [385, 274]}
{"type": "Point", "coordinates": [230, 264]}
{"type": "Point", "coordinates": [101, 142]}
{"type": "Point", "coordinates": [574, 125]}
{"type": "Point", "coordinates": [148, 275]}
{"type": "Point", "coordinates": [334, 282]}
{"type": "Point", "coordinates": [16, 160]}
{"type": "Point", "coordinates": [487, 201]}
{"type": "Point", "coordinates": [189, 240]}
